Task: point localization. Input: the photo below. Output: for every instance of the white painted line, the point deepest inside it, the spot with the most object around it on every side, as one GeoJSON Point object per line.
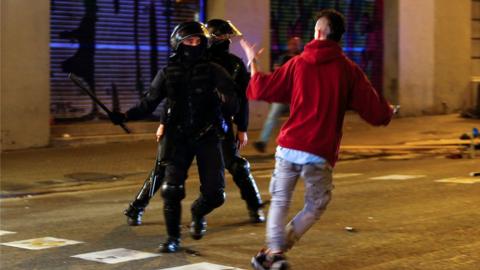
{"type": "Point", "coordinates": [2, 232]}
{"type": "Point", "coordinates": [397, 177]}
{"type": "Point", "coordinates": [459, 180]}
{"type": "Point", "coordinates": [345, 175]}
{"type": "Point", "coordinates": [41, 243]}
{"type": "Point", "coordinates": [202, 266]}
{"type": "Point", "coordinates": [117, 255]}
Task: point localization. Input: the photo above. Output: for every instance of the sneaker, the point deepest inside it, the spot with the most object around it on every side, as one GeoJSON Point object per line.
{"type": "Point", "coordinates": [260, 146]}
{"type": "Point", "coordinates": [198, 227]}
{"type": "Point", "coordinates": [172, 245]}
{"type": "Point", "coordinates": [134, 215]}
{"type": "Point", "coordinates": [256, 216]}
{"type": "Point", "coordinates": [291, 237]}
{"type": "Point", "coordinates": [266, 261]}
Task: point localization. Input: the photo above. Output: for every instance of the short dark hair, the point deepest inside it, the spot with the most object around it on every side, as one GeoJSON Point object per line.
{"type": "Point", "coordinates": [336, 21]}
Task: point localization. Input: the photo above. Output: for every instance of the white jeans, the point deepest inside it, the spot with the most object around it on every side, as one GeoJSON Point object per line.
{"type": "Point", "coordinates": [318, 186]}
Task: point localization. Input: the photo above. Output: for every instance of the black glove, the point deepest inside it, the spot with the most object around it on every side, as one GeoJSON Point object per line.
{"type": "Point", "coordinates": [117, 118]}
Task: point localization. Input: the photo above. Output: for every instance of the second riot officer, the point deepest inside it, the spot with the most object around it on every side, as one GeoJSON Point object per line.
{"type": "Point", "coordinates": [221, 32]}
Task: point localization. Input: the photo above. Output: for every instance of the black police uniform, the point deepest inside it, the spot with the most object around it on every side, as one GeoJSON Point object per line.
{"type": "Point", "coordinates": [196, 91]}
{"type": "Point", "coordinates": [238, 166]}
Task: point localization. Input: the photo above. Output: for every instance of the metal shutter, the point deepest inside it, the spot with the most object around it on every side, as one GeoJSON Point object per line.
{"type": "Point", "coordinates": [475, 37]}
{"type": "Point", "coordinates": [362, 42]}
{"type": "Point", "coordinates": [116, 45]}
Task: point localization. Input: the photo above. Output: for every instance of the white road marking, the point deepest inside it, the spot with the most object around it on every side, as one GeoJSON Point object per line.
{"type": "Point", "coordinates": [459, 180]}
{"type": "Point", "coordinates": [397, 177]}
{"type": "Point", "coordinates": [345, 175]}
{"type": "Point", "coordinates": [117, 255]}
{"type": "Point", "coordinates": [202, 266]}
{"type": "Point", "coordinates": [41, 243]}
{"type": "Point", "coordinates": [2, 232]}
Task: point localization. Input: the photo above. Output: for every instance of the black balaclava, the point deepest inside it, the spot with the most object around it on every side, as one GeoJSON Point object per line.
{"type": "Point", "coordinates": [191, 54]}
{"type": "Point", "coordinates": [220, 45]}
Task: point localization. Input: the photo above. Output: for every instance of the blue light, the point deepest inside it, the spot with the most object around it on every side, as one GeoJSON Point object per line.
{"type": "Point", "coordinates": [102, 46]}
{"type": "Point", "coordinates": [353, 49]}
{"type": "Point", "coordinates": [64, 45]}
{"type": "Point", "coordinates": [202, 11]}
{"type": "Point", "coordinates": [345, 49]}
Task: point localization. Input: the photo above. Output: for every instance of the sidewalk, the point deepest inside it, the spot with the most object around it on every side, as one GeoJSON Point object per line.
{"type": "Point", "coordinates": [408, 129]}
{"type": "Point", "coordinates": [407, 138]}
{"type": "Point", "coordinates": [356, 131]}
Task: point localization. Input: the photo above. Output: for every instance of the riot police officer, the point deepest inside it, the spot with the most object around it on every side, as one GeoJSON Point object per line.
{"type": "Point", "coordinates": [195, 92]}
{"type": "Point", "coordinates": [221, 31]}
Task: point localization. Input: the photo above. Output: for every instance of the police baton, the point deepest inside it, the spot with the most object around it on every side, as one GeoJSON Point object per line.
{"type": "Point", "coordinates": [78, 81]}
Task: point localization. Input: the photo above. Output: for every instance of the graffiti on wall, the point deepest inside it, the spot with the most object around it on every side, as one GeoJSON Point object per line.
{"type": "Point", "coordinates": [116, 46]}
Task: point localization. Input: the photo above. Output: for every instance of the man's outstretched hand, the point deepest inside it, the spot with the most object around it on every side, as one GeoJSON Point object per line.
{"type": "Point", "coordinates": [251, 54]}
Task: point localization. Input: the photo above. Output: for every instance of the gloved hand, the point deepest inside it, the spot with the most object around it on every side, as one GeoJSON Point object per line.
{"type": "Point", "coordinates": [117, 118]}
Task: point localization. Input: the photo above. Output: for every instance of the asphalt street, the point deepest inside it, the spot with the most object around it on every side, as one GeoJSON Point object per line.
{"type": "Point", "coordinates": [421, 214]}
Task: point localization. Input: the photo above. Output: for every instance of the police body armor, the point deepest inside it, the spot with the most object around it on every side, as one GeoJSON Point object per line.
{"type": "Point", "coordinates": [195, 105]}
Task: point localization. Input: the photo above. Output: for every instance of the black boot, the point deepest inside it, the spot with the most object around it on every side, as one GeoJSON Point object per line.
{"type": "Point", "coordinates": [243, 178]}
{"type": "Point", "coordinates": [172, 245]}
{"type": "Point", "coordinates": [256, 215]}
{"type": "Point", "coordinates": [134, 215]}
{"type": "Point", "coordinates": [202, 207]}
{"type": "Point", "coordinates": [172, 212]}
{"type": "Point", "coordinates": [198, 227]}
{"type": "Point", "coordinates": [135, 210]}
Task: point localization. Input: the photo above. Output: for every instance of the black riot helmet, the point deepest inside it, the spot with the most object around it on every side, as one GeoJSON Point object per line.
{"type": "Point", "coordinates": [186, 30]}
{"type": "Point", "coordinates": [219, 27]}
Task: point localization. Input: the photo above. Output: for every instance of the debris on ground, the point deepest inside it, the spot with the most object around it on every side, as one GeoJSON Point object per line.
{"type": "Point", "coordinates": [350, 229]}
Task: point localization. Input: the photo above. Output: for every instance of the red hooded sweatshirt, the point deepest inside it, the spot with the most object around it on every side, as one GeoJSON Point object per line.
{"type": "Point", "coordinates": [320, 85]}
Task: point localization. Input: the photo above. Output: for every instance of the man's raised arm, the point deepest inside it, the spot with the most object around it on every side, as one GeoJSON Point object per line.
{"type": "Point", "coordinates": [271, 87]}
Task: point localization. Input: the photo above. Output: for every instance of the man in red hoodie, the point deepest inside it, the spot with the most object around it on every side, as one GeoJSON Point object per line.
{"type": "Point", "coordinates": [320, 85]}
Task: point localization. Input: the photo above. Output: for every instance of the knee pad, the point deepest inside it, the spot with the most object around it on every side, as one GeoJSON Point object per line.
{"type": "Point", "coordinates": [173, 192]}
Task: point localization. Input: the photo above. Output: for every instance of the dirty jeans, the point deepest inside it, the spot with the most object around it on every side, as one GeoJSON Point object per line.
{"type": "Point", "coordinates": [318, 186]}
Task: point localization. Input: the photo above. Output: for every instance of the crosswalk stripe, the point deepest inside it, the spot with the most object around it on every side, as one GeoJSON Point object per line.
{"type": "Point", "coordinates": [41, 243]}
{"type": "Point", "coordinates": [2, 232]}
{"type": "Point", "coordinates": [113, 256]}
